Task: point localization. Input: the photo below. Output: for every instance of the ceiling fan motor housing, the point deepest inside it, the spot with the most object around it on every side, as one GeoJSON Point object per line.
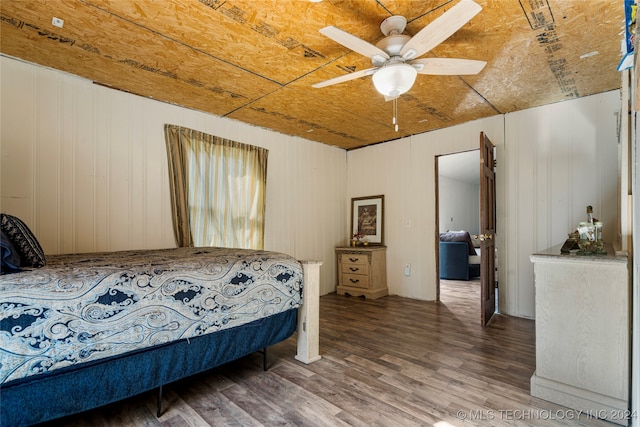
{"type": "Point", "coordinates": [393, 44]}
{"type": "Point", "coordinates": [393, 25]}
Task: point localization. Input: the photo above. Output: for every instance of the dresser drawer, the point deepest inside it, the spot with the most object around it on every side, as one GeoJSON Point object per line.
{"type": "Point", "coordinates": [355, 280]}
{"type": "Point", "coordinates": [354, 259]}
{"type": "Point", "coordinates": [355, 268]}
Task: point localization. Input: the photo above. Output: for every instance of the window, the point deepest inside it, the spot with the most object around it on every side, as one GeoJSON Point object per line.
{"type": "Point", "coordinates": [218, 189]}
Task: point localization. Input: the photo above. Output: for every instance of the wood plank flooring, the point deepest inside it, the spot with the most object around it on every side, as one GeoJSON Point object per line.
{"type": "Point", "coordinates": [387, 362]}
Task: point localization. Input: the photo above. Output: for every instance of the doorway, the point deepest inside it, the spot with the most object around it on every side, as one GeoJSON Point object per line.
{"type": "Point", "coordinates": [458, 201]}
{"type": "Point", "coordinates": [459, 192]}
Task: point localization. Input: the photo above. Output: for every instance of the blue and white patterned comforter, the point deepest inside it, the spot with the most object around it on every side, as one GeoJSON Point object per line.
{"type": "Point", "coordinates": [84, 307]}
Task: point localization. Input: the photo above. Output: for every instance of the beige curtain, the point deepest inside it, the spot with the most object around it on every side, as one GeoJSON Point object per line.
{"type": "Point", "coordinates": [218, 189]}
{"type": "Point", "coordinates": [178, 185]}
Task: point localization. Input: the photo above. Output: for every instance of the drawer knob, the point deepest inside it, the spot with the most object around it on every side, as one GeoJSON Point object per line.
{"type": "Point", "coordinates": [354, 259]}
{"type": "Point", "coordinates": [354, 268]}
{"type": "Point", "coordinates": [354, 280]}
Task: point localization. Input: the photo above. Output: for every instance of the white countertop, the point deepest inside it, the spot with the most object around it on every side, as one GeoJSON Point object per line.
{"type": "Point", "coordinates": [553, 254]}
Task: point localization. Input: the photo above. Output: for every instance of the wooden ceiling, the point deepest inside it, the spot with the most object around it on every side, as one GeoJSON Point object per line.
{"type": "Point", "coordinates": [255, 60]}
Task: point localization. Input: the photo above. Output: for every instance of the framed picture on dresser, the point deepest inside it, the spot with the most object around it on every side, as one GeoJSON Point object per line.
{"type": "Point", "coordinates": [367, 219]}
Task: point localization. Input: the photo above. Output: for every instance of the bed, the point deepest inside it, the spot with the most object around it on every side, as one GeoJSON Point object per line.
{"type": "Point", "coordinates": [86, 330]}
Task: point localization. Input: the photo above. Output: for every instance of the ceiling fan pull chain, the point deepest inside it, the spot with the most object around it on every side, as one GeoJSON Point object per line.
{"type": "Point", "coordinates": [393, 108]}
{"type": "Point", "coordinates": [395, 113]}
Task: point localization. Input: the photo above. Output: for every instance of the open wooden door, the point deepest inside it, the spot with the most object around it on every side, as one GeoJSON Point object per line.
{"type": "Point", "coordinates": [487, 228]}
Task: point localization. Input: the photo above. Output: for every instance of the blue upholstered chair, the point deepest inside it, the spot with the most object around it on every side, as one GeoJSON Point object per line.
{"type": "Point", "coordinates": [454, 259]}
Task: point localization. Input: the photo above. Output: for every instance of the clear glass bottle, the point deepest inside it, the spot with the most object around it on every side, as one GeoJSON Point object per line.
{"type": "Point", "coordinates": [590, 214]}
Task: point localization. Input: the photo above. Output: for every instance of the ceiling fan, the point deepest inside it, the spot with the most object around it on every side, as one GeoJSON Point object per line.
{"type": "Point", "coordinates": [394, 65]}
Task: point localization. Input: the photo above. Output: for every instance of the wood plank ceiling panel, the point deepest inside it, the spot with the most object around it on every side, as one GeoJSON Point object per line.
{"type": "Point", "coordinates": [255, 61]}
{"type": "Point", "coordinates": [257, 36]}
{"type": "Point", "coordinates": [546, 52]}
{"type": "Point", "coordinates": [100, 46]}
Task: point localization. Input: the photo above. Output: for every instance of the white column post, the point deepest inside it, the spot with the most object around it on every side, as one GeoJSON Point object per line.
{"type": "Point", "coordinates": [309, 314]}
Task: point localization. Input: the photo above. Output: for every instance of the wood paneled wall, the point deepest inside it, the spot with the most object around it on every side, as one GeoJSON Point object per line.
{"type": "Point", "coordinates": [553, 161]}
{"type": "Point", "coordinates": [85, 167]}
{"type": "Point", "coordinates": [404, 171]}
{"type": "Point", "coordinates": [560, 158]}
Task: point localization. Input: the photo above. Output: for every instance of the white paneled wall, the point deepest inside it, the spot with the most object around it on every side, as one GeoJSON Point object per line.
{"type": "Point", "coordinates": [553, 161]}
{"type": "Point", "coordinates": [459, 204]}
{"type": "Point", "coordinates": [404, 171]}
{"type": "Point", "coordinates": [559, 159]}
{"type": "Point", "coordinates": [85, 167]}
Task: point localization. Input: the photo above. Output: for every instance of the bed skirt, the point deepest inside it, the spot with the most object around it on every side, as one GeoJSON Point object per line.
{"type": "Point", "coordinates": [64, 391]}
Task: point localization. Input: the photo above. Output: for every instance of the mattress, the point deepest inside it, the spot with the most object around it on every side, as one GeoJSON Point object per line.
{"type": "Point", "coordinates": [85, 307]}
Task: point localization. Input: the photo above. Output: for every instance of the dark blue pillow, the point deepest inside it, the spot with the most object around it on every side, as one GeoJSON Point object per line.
{"type": "Point", "coordinates": [9, 258]}
{"type": "Point", "coordinates": [23, 240]}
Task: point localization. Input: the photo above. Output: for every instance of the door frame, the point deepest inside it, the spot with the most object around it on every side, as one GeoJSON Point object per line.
{"type": "Point", "coordinates": [437, 211]}
{"type": "Point", "coordinates": [437, 226]}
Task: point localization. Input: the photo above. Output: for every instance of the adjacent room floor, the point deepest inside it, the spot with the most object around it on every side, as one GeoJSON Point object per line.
{"type": "Point", "coordinates": [387, 362]}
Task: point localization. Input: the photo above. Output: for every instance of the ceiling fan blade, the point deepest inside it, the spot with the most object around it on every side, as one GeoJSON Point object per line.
{"type": "Point", "coordinates": [448, 66]}
{"type": "Point", "coordinates": [352, 42]}
{"type": "Point", "coordinates": [346, 77]}
{"type": "Point", "coordinates": [440, 29]}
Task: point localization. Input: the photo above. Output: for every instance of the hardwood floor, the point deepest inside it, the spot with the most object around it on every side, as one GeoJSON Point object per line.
{"type": "Point", "coordinates": [387, 362]}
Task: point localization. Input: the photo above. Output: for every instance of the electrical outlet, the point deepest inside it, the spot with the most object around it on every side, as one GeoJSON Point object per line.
{"type": "Point", "coordinates": [57, 22]}
{"type": "Point", "coordinates": [407, 270]}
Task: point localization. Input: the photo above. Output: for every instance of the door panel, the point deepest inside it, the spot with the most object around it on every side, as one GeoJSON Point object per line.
{"type": "Point", "coordinates": [487, 228]}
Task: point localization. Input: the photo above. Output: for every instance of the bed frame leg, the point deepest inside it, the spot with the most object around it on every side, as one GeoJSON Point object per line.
{"type": "Point", "coordinates": [159, 412]}
{"type": "Point", "coordinates": [264, 359]}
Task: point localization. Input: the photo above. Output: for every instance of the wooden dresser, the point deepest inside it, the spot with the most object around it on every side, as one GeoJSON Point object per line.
{"type": "Point", "coordinates": [362, 271]}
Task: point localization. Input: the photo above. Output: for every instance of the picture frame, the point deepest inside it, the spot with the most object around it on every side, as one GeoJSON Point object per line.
{"type": "Point", "coordinates": [367, 218]}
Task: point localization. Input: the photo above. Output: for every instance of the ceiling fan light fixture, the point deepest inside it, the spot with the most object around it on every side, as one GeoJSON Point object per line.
{"type": "Point", "coordinates": [394, 79]}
